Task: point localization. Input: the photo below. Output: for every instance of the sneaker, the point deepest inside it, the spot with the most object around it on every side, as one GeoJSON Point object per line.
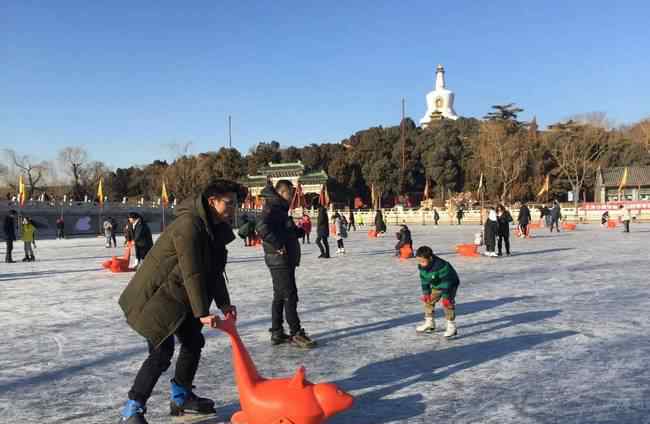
{"type": "Point", "coordinates": [300, 339]}
{"type": "Point", "coordinates": [184, 401]}
{"type": "Point", "coordinates": [279, 337]}
{"type": "Point", "coordinates": [133, 413]}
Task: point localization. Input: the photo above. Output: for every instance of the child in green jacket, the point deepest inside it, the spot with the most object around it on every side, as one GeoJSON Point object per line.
{"type": "Point", "coordinates": [439, 283]}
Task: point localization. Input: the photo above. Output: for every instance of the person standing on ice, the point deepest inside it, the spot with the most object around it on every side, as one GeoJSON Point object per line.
{"type": "Point", "coordinates": [380, 225]}
{"type": "Point", "coordinates": [556, 215]}
{"type": "Point", "coordinates": [9, 228]}
{"type": "Point", "coordinates": [404, 238]}
{"type": "Point", "coordinates": [439, 282]}
{"type": "Point", "coordinates": [436, 217]}
{"type": "Point", "coordinates": [279, 236]}
{"type": "Point", "coordinates": [503, 220]}
{"type": "Point", "coordinates": [626, 217]}
{"type": "Point", "coordinates": [142, 238]}
{"type": "Point", "coordinates": [171, 294]}
{"type": "Point", "coordinates": [108, 230]}
{"type": "Point", "coordinates": [28, 231]}
{"type": "Point", "coordinates": [351, 223]}
{"type": "Point", "coordinates": [341, 233]}
{"type": "Point", "coordinates": [60, 228]}
{"type": "Point", "coordinates": [323, 232]}
{"type": "Point", "coordinates": [305, 224]}
{"type": "Point", "coordinates": [490, 232]}
{"type": "Point", "coordinates": [524, 219]}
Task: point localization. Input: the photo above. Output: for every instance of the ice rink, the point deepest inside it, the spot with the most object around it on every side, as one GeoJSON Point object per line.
{"type": "Point", "coordinates": [557, 333]}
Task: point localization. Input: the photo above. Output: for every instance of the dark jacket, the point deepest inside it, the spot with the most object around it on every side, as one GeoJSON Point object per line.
{"type": "Point", "coordinates": [380, 225]}
{"type": "Point", "coordinates": [182, 274]}
{"type": "Point", "coordinates": [491, 229]}
{"type": "Point", "coordinates": [323, 224]}
{"type": "Point", "coordinates": [524, 215]}
{"type": "Point", "coordinates": [9, 228]}
{"type": "Point", "coordinates": [278, 231]}
{"type": "Point", "coordinates": [556, 212]}
{"type": "Point", "coordinates": [404, 237]}
{"type": "Point", "coordinates": [247, 229]}
{"type": "Point", "coordinates": [503, 222]}
{"type": "Point", "coordinates": [142, 238]}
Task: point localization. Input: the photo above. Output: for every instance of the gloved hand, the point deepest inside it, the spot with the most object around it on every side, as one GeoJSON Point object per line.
{"type": "Point", "coordinates": [447, 303]}
{"type": "Point", "coordinates": [426, 298]}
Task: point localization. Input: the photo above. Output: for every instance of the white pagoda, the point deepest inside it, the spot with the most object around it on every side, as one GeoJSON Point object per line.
{"type": "Point", "coordinates": [440, 102]}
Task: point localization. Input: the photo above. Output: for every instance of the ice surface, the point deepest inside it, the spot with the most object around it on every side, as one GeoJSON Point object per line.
{"type": "Point", "coordinates": [556, 333]}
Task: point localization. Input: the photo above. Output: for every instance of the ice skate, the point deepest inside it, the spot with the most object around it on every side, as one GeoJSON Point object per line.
{"type": "Point", "coordinates": [429, 326]}
{"type": "Point", "coordinates": [133, 413]}
{"type": "Point", "coordinates": [302, 340]}
{"type": "Point", "coordinates": [279, 337]}
{"type": "Point", "coordinates": [184, 401]}
{"type": "Point", "coordinates": [451, 330]}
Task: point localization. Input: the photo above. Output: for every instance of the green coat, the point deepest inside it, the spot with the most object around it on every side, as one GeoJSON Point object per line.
{"type": "Point", "coordinates": [441, 276]}
{"type": "Point", "coordinates": [181, 275]}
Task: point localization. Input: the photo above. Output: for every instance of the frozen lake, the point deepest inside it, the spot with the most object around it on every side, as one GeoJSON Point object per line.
{"type": "Point", "coordinates": [558, 333]}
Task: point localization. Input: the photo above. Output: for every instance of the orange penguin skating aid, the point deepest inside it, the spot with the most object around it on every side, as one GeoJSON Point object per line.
{"type": "Point", "coordinates": [279, 401]}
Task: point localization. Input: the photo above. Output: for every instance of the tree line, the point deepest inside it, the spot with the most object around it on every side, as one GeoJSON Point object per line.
{"type": "Point", "coordinates": [511, 157]}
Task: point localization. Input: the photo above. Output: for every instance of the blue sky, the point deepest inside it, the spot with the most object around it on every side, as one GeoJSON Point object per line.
{"type": "Point", "coordinates": [124, 79]}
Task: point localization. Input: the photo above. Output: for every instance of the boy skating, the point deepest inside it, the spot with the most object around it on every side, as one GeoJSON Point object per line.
{"type": "Point", "coordinates": [171, 294]}
{"type": "Point", "coordinates": [439, 282]}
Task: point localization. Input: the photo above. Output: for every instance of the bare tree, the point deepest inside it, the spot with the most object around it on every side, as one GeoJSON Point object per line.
{"type": "Point", "coordinates": [73, 160]}
{"type": "Point", "coordinates": [26, 165]}
{"type": "Point", "coordinates": [503, 152]}
{"type": "Point", "coordinates": [595, 119]}
{"type": "Point", "coordinates": [576, 148]}
{"type": "Point", "coordinates": [640, 133]}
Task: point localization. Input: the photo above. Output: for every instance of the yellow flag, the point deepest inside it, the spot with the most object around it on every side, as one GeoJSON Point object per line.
{"type": "Point", "coordinates": [623, 183]}
{"type": "Point", "coordinates": [22, 193]}
{"type": "Point", "coordinates": [164, 197]}
{"type": "Point", "coordinates": [546, 186]}
{"type": "Point", "coordinates": [100, 191]}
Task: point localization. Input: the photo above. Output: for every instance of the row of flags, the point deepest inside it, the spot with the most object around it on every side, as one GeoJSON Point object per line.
{"type": "Point", "coordinates": [299, 199]}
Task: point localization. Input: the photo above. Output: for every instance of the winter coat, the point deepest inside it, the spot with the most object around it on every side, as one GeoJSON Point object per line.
{"type": "Point", "coordinates": [439, 275]}
{"type": "Point", "coordinates": [60, 224]}
{"type": "Point", "coordinates": [28, 232]}
{"type": "Point", "coordinates": [436, 216]}
{"type": "Point", "coordinates": [503, 222]}
{"type": "Point", "coordinates": [460, 213]}
{"type": "Point", "coordinates": [10, 228]}
{"type": "Point", "coordinates": [323, 224]}
{"type": "Point", "coordinates": [491, 229]}
{"type": "Point", "coordinates": [341, 228]}
{"type": "Point", "coordinates": [247, 229]}
{"type": "Point", "coordinates": [626, 214]}
{"type": "Point", "coordinates": [108, 228]}
{"type": "Point", "coordinates": [278, 231]}
{"type": "Point", "coordinates": [380, 225]}
{"type": "Point", "coordinates": [556, 213]}
{"type": "Point", "coordinates": [306, 224]}
{"type": "Point", "coordinates": [181, 276]}
{"type": "Point", "coordinates": [404, 237]}
{"type": "Point", "coordinates": [142, 238]}
{"type": "Point", "coordinates": [524, 215]}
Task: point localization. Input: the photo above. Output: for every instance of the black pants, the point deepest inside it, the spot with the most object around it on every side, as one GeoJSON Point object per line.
{"type": "Point", "coordinates": [504, 238]}
{"type": "Point", "coordinates": [352, 225]}
{"type": "Point", "coordinates": [490, 242]}
{"type": "Point", "coordinates": [323, 245]}
{"type": "Point", "coordinates": [555, 223]}
{"type": "Point", "coordinates": [306, 236]}
{"type": "Point", "coordinates": [460, 221]}
{"type": "Point", "coordinates": [114, 239]}
{"type": "Point", "coordinates": [191, 340]}
{"type": "Point", "coordinates": [339, 244]}
{"type": "Point", "coordinates": [10, 248]}
{"type": "Point", "coordinates": [285, 299]}
{"type": "Point", "coordinates": [60, 234]}
{"type": "Point", "coordinates": [626, 224]}
{"type": "Point", "coordinates": [524, 229]}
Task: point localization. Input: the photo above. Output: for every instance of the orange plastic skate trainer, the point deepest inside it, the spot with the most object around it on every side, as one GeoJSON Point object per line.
{"type": "Point", "coordinates": [372, 234]}
{"type": "Point", "coordinates": [569, 226]}
{"type": "Point", "coordinates": [279, 401]}
{"type": "Point", "coordinates": [612, 224]}
{"type": "Point", "coordinates": [116, 264]}
{"type": "Point", "coordinates": [405, 252]}
{"type": "Point", "coordinates": [467, 249]}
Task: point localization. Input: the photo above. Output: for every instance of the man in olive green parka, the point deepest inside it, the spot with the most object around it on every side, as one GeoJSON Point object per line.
{"type": "Point", "coordinates": [171, 293]}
